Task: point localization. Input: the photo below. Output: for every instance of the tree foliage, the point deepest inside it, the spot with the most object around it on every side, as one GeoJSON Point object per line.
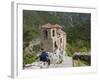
{"type": "Point", "coordinates": [76, 25]}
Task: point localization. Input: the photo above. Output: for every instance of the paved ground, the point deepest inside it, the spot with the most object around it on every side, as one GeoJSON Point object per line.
{"type": "Point", "coordinates": [67, 62]}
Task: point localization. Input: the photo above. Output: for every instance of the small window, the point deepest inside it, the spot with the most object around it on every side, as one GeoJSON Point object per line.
{"type": "Point", "coordinates": [45, 33]}
{"type": "Point", "coordinates": [53, 32]}
{"type": "Point", "coordinates": [55, 44]}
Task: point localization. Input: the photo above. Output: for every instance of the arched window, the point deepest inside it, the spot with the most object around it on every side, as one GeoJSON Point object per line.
{"type": "Point", "coordinates": [45, 33]}
{"type": "Point", "coordinates": [53, 33]}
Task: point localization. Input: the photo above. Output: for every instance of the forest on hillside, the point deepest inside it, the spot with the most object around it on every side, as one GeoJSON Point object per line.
{"type": "Point", "coordinates": [76, 25]}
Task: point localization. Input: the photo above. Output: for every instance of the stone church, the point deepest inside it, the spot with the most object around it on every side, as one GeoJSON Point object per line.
{"type": "Point", "coordinates": [52, 36]}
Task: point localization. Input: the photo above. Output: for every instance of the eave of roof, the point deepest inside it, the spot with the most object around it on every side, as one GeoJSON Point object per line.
{"type": "Point", "coordinates": [49, 26]}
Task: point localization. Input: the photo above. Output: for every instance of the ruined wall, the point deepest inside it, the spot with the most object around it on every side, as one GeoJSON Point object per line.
{"type": "Point", "coordinates": [48, 44]}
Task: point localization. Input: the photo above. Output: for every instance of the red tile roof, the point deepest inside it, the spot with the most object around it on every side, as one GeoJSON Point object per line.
{"type": "Point", "coordinates": [51, 26]}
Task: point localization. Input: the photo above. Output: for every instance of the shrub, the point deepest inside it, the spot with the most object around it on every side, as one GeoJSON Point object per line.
{"type": "Point", "coordinates": [29, 58]}
{"type": "Point", "coordinates": [70, 50]}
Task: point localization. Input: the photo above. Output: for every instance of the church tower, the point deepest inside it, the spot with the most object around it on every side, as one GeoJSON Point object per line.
{"type": "Point", "coordinates": [52, 36]}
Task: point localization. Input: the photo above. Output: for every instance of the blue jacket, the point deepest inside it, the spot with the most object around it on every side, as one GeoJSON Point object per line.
{"type": "Point", "coordinates": [44, 56]}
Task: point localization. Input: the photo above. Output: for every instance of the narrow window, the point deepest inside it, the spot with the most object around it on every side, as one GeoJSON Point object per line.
{"type": "Point", "coordinates": [55, 44]}
{"type": "Point", "coordinates": [53, 32]}
{"type": "Point", "coordinates": [45, 34]}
